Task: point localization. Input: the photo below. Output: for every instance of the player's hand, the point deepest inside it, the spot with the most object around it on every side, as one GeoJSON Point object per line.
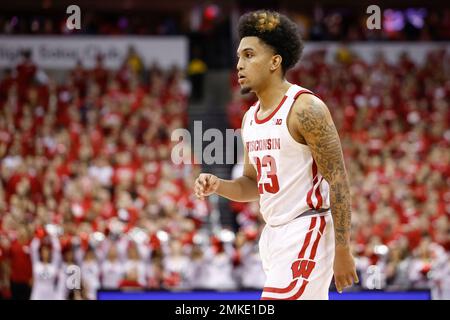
{"type": "Point", "coordinates": [344, 269]}
{"type": "Point", "coordinates": [206, 184]}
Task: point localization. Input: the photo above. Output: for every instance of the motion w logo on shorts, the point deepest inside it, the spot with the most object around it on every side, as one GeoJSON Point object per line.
{"type": "Point", "coordinates": [302, 269]}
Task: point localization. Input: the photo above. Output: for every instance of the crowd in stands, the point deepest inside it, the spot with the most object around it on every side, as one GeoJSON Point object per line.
{"type": "Point", "coordinates": [318, 24]}
{"type": "Point", "coordinates": [88, 162]}
{"type": "Point", "coordinates": [86, 179]}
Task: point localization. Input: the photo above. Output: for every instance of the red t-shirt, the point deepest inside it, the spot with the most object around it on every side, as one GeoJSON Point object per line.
{"type": "Point", "coordinates": [21, 269]}
{"type": "Point", "coordinates": [25, 74]}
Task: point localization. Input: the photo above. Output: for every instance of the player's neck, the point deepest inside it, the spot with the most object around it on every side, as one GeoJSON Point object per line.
{"type": "Point", "coordinates": [270, 96]}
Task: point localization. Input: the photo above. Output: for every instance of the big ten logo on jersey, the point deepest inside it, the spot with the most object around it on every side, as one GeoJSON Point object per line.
{"type": "Point", "coordinates": [277, 122]}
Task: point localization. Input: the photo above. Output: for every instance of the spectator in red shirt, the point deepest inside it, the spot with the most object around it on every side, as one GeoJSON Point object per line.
{"type": "Point", "coordinates": [80, 78]}
{"type": "Point", "coordinates": [100, 74]}
{"type": "Point", "coordinates": [20, 265]}
{"type": "Point", "coordinates": [26, 72]}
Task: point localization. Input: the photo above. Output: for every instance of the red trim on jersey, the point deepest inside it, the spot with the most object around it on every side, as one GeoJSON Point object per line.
{"type": "Point", "coordinates": [310, 192]}
{"type": "Point", "coordinates": [300, 291]}
{"type": "Point", "coordinates": [301, 92]}
{"type": "Point", "coordinates": [279, 106]}
{"type": "Point", "coordinates": [311, 257]}
{"type": "Point", "coordinates": [270, 115]}
{"type": "Point", "coordinates": [307, 238]}
{"type": "Point", "coordinates": [281, 290]}
{"type": "Point", "coordinates": [297, 295]}
{"type": "Point", "coordinates": [319, 195]}
{"type": "Point", "coordinates": [314, 170]}
{"type": "Point", "coordinates": [319, 235]}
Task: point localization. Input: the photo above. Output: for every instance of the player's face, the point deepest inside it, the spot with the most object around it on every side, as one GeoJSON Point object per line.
{"type": "Point", "coordinates": [254, 61]}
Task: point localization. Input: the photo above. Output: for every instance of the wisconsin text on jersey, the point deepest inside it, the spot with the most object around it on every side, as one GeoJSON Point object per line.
{"type": "Point", "coordinates": [263, 144]}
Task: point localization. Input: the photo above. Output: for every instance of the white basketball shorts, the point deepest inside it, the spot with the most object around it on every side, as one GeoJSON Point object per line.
{"type": "Point", "coordinates": [298, 258]}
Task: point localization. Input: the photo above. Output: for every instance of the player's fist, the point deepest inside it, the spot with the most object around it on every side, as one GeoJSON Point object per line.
{"type": "Point", "coordinates": [206, 184]}
{"type": "Point", "coordinates": [344, 269]}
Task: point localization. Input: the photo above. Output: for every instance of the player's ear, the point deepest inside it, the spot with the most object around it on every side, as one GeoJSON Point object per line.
{"type": "Point", "coordinates": [276, 62]}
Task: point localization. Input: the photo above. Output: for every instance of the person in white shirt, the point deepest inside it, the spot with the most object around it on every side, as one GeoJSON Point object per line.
{"type": "Point", "coordinates": [293, 165]}
{"type": "Point", "coordinates": [134, 257]}
{"type": "Point", "coordinates": [176, 262]}
{"type": "Point", "coordinates": [219, 267]}
{"type": "Point", "coordinates": [251, 273]}
{"type": "Point", "coordinates": [45, 261]}
{"type": "Point", "coordinates": [196, 272]}
{"type": "Point", "coordinates": [112, 269]}
{"type": "Point", "coordinates": [90, 273]}
{"type": "Point", "coordinates": [101, 171]}
{"type": "Point", "coordinates": [62, 291]}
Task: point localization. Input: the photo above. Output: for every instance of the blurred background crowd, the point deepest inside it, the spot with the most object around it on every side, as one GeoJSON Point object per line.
{"type": "Point", "coordinates": [318, 22]}
{"type": "Point", "coordinates": [87, 162]}
{"type": "Point", "coordinates": [87, 180]}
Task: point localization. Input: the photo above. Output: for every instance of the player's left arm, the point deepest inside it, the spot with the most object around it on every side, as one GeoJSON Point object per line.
{"type": "Point", "coordinates": [315, 124]}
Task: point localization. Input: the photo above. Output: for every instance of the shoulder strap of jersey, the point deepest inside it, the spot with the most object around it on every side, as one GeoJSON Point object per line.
{"type": "Point", "coordinates": [291, 95]}
{"type": "Point", "coordinates": [297, 91]}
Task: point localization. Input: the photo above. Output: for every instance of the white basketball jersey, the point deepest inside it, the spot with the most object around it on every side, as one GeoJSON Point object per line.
{"type": "Point", "coordinates": [288, 180]}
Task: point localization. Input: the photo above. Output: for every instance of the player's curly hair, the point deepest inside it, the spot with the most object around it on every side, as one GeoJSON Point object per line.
{"type": "Point", "coordinates": [277, 31]}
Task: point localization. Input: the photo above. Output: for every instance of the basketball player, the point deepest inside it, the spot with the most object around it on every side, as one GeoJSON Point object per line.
{"type": "Point", "coordinates": [294, 166]}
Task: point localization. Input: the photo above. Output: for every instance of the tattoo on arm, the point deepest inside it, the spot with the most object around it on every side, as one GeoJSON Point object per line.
{"type": "Point", "coordinates": [319, 131]}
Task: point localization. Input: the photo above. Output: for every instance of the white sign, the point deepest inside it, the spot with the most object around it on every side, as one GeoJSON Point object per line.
{"type": "Point", "coordinates": [62, 52]}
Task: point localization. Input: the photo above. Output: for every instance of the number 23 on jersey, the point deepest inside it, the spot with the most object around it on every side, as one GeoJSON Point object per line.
{"type": "Point", "coordinates": [268, 164]}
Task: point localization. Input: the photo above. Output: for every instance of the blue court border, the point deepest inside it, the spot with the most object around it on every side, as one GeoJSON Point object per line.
{"type": "Point", "coordinates": [254, 295]}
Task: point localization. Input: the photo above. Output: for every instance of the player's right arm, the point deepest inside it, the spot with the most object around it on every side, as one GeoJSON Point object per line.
{"type": "Point", "coordinates": [242, 189]}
